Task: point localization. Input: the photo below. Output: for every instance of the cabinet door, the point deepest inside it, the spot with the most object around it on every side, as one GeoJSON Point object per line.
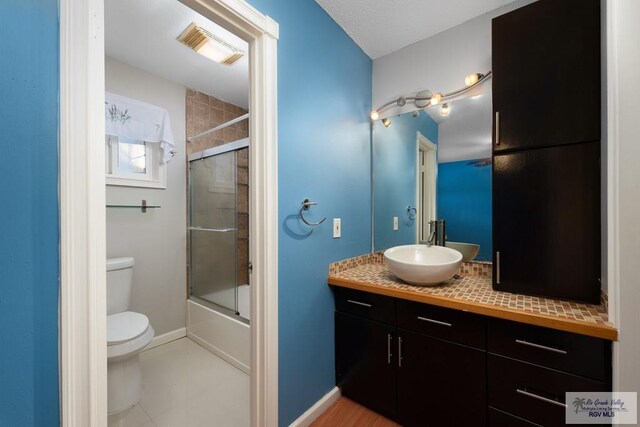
{"type": "Point", "coordinates": [365, 366]}
{"type": "Point", "coordinates": [439, 383]}
{"type": "Point", "coordinates": [546, 222]}
{"type": "Point", "coordinates": [546, 74]}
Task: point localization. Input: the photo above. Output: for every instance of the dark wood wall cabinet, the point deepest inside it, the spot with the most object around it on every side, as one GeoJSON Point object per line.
{"type": "Point", "coordinates": [545, 61]}
{"type": "Point", "coordinates": [546, 222]}
{"type": "Point", "coordinates": [423, 365]}
{"type": "Point", "coordinates": [546, 150]}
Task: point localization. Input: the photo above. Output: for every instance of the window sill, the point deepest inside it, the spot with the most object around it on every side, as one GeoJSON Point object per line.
{"type": "Point", "coordinates": [126, 182]}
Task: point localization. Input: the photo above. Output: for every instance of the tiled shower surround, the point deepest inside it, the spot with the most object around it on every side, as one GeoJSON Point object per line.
{"type": "Point", "coordinates": [203, 113]}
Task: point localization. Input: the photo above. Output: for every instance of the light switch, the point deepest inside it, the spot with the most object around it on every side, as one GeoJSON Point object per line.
{"type": "Point", "coordinates": [395, 223]}
{"type": "Point", "coordinates": [337, 228]}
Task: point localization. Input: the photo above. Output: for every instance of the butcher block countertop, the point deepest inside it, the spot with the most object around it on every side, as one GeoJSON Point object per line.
{"type": "Point", "coordinates": [471, 291]}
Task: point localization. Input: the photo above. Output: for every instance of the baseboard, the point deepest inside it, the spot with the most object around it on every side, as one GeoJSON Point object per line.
{"type": "Point", "coordinates": [220, 353]}
{"type": "Point", "coordinates": [312, 414]}
{"type": "Point", "coordinates": [168, 337]}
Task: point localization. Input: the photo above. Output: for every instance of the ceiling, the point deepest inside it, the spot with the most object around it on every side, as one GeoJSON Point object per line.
{"type": "Point", "coordinates": [142, 33]}
{"type": "Point", "coordinates": [380, 27]}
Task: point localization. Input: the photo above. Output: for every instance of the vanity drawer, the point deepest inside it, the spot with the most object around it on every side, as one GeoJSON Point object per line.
{"type": "Point", "coordinates": [554, 349]}
{"type": "Point", "coordinates": [499, 418]}
{"type": "Point", "coordinates": [444, 323]}
{"type": "Point", "coordinates": [532, 392]}
{"type": "Point", "coordinates": [365, 304]}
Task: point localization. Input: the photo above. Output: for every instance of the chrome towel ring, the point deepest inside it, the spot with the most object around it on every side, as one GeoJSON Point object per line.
{"type": "Point", "coordinates": [306, 203]}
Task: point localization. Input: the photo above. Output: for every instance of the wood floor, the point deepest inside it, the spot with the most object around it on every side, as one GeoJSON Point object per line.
{"type": "Point", "coordinates": [347, 413]}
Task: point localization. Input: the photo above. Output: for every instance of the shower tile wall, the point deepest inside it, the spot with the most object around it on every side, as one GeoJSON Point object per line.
{"type": "Point", "coordinates": [205, 112]}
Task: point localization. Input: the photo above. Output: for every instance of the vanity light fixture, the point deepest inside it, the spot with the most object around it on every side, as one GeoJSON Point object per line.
{"type": "Point", "coordinates": [445, 109]}
{"type": "Point", "coordinates": [209, 45]}
{"type": "Point", "coordinates": [386, 122]}
{"type": "Point", "coordinates": [426, 98]}
{"type": "Point", "coordinates": [473, 78]}
{"type": "Point", "coordinates": [436, 98]}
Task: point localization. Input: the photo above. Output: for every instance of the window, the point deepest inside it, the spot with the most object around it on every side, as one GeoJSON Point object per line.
{"type": "Point", "coordinates": [134, 163]}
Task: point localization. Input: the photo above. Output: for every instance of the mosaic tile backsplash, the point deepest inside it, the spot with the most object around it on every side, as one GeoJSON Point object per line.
{"type": "Point", "coordinates": [472, 284]}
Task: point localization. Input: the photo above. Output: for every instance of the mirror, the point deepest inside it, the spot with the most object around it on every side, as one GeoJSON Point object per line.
{"type": "Point", "coordinates": [430, 164]}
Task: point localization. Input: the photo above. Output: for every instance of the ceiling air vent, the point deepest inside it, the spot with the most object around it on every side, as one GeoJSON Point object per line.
{"type": "Point", "coordinates": [209, 45]}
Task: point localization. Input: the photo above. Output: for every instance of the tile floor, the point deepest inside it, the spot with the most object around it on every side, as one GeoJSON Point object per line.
{"type": "Point", "coordinates": [185, 385]}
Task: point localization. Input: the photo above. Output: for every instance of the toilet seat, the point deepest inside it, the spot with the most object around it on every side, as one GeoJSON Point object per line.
{"type": "Point", "coordinates": [122, 327]}
{"type": "Point", "coordinates": [127, 332]}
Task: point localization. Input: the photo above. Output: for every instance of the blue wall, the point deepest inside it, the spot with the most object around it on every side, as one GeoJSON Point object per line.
{"type": "Point", "coordinates": [324, 99]}
{"type": "Point", "coordinates": [464, 201]}
{"type": "Point", "coordinates": [29, 222]}
{"type": "Point", "coordinates": [395, 161]}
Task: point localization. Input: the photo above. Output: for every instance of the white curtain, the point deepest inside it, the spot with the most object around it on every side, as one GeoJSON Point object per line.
{"type": "Point", "coordinates": [135, 119]}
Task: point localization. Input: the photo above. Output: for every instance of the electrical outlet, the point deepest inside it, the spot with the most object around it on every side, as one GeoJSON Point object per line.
{"type": "Point", "coordinates": [337, 228]}
{"type": "Point", "coordinates": [395, 223]}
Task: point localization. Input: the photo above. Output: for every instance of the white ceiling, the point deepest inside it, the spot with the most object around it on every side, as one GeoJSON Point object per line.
{"type": "Point", "coordinates": [465, 133]}
{"type": "Point", "coordinates": [142, 33]}
{"type": "Point", "coordinates": [380, 27]}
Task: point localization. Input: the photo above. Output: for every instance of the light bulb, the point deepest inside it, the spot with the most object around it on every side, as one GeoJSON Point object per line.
{"type": "Point", "coordinates": [375, 115]}
{"type": "Point", "coordinates": [215, 51]}
{"type": "Point", "coordinates": [445, 109]}
{"type": "Point", "coordinates": [472, 79]}
{"type": "Point", "coordinates": [386, 122]}
{"type": "Point", "coordinates": [436, 98]}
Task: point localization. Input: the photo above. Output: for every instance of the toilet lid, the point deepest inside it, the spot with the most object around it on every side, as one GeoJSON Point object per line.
{"type": "Point", "coordinates": [125, 326]}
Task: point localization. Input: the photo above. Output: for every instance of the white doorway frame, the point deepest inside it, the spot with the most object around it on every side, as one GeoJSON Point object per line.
{"type": "Point", "coordinates": [83, 350]}
{"type": "Point", "coordinates": [428, 180]}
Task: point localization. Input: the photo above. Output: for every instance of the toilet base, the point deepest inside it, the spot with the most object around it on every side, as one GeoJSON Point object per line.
{"type": "Point", "coordinates": [124, 387]}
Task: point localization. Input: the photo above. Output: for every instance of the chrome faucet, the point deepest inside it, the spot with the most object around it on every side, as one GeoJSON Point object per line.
{"type": "Point", "coordinates": [434, 226]}
{"type": "Point", "coordinates": [433, 233]}
{"type": "Point", "coordinates": [432, 238]}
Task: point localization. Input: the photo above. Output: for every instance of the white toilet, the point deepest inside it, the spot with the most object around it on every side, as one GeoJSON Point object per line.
{"type": "Point", "coordinates": [127, 334]}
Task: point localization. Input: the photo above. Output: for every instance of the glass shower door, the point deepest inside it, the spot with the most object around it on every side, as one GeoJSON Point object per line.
{"type": "Point", "coordinates": [213, 229]}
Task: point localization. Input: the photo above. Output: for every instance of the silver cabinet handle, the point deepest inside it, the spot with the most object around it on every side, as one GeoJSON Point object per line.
{"type": "Point", "coordinates": [388, 349]}
{"type": "Point", "coordinates": [540, 346]}
{"type": "Point", "coordinates": [497, 267]}
{"type": "Point", "coordinates": [399, 352]}
{"type": "Point", "coordinates": [537, 397]}
{"type": "Point", "coordinates": [364, 304]}
{"type": "Point", "coordinates": [437, 322]}
{"type": "Point", "coordinates": [497, 127]}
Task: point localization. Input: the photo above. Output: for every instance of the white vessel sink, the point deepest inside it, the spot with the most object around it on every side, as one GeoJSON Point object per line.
{"type": "Point", "coordinates": [468, 250]}
{"type": "Point", "coordinates": [423, 265]}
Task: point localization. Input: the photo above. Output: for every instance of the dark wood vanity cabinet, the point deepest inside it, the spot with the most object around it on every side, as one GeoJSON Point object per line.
{"type": "Point", "coordinates": [546, 74]}
{"type": "Point", "coordinates": [364, 368]}
{"type": "Point", "coordinates": [414, 367]}
{"type": "Point", "coordinates": [529, 370]}
{"type": "Point", "coordinates": [436, 376]}
{"type": "Point", "coordinates": [365, 337]}
{"type": "Point", "coordinates": [546, 151]}
{"type": "Point", "coordinates": [546, 222]}
{"type": "Point", "coordinates": [423, 365]}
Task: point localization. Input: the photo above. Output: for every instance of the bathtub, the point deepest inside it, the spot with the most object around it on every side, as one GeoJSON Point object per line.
{"type": "Point", "coordinates": [225, 334]}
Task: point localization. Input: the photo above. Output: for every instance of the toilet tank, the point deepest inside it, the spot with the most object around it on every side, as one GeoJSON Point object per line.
{"type": "Point", "coordinates": [119, 280]}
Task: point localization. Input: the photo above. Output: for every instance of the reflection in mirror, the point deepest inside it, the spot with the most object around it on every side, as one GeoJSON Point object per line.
{"type": "Point", "coordinates": [435, 164]}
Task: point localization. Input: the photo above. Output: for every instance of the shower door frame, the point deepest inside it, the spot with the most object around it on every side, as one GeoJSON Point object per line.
{"type": "Point", "coordinates": [194, 157]}
{"type": "Point", "coordinates": [83, 338]}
